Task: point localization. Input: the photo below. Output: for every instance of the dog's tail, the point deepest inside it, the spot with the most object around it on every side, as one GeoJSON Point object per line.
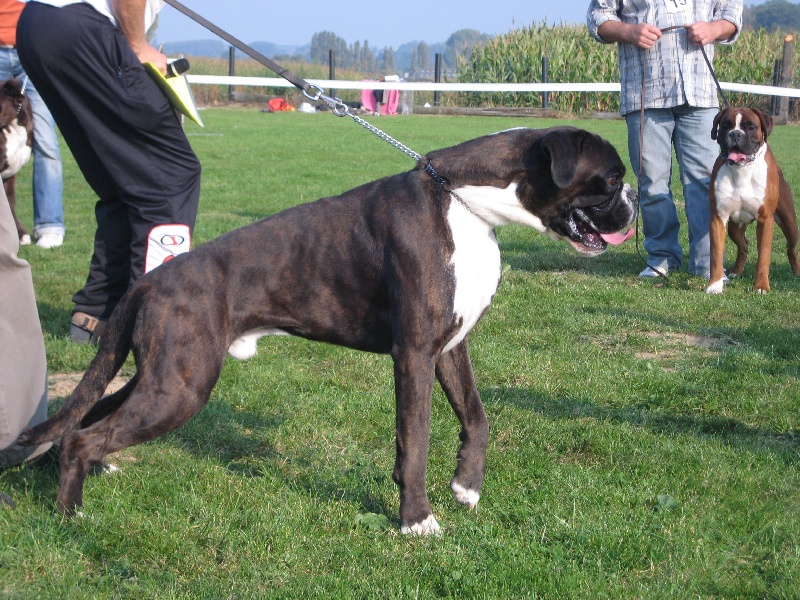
{"type": "Point", "coordinates": [115, 345]}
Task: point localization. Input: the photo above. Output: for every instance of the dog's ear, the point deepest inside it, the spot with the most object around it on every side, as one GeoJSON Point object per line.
{"type": "Point", "coordinates": [563, 149]}
{"type": "Point", "coordinates": [13, 88]}
{"type": "Point", "coordinates": [766, 122]}
{"type": "Point", "coordinates": [715, 126]}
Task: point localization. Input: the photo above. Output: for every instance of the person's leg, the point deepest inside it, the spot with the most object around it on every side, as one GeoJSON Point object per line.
{"type": "Point", "coordinates": [659, 216]}
{"type": "Point", "coordinates": [48, 185]}
{"type": "Point", "coordinates": [23, 367]}
{"type": "Point", "coordinates": [125, 137]}
{"type": "Point", "coordinates": [696, 153]}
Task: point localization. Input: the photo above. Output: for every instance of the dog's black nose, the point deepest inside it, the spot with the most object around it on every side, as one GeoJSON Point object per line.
{"type": "Point", "coordinates": [736, 137]}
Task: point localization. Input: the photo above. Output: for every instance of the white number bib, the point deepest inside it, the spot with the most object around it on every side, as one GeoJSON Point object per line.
{"type": "Point", "coordinates": [677, 6]}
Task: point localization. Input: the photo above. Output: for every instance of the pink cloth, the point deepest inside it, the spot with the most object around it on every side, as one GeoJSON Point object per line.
{"type": "Point", "coordinates": [389, 105]}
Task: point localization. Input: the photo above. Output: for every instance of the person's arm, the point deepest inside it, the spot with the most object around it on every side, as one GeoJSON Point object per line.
{"type": "Point", "coordinates": [702, 32]}
{"type": "Point", "coordinates": [642, 35]}
{"type": "Point", "coordinates": [130, 19]}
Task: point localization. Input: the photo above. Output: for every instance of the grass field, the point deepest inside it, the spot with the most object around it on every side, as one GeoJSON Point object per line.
{"type": "Point", "coordinates": [645, 436]}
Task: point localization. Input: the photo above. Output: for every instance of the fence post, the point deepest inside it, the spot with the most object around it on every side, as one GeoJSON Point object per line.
{"type": "Point", "coordinates": [545, 79]}
{"type": "Point", "coordinates": [786, 76]}
{"type": "Point", "coordinates": [437, 77]}
{"type": "Point", "coordinates": [776, 80]}
{"type": "Point", "coordinates": [231, 70]}
{"type": "Point", "coordinates": [332, 70]}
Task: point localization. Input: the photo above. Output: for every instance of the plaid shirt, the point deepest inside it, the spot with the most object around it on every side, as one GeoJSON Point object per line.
{"type": "Point", "coordinates": [676, 70]}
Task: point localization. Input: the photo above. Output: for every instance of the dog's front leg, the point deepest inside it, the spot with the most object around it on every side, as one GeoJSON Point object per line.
{"type": "Point", "coordinates": [454, 372]}
{"type": "Point", "coordinates": [413, 377]}
{"type": "Point", "coordinates": [764, 232]}
{"type": "Point", "coordinates": [717, 239]}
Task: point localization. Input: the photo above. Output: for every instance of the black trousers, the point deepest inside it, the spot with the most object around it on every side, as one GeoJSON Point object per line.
{"type": "Point", "coordinates": [125, 137]}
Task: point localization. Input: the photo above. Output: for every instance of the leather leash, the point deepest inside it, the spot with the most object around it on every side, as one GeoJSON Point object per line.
{"type": "Point", "coordinates": [311, 91]}
{"type": "Point", "coordinates": [645, 54]}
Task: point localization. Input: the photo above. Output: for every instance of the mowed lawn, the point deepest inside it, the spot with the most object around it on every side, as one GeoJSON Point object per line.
{"type": "Point", "coordinates": [645, 436]}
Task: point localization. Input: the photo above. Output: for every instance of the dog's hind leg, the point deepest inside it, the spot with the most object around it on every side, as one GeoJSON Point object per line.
{"type": "Point", "coordinates": [454, 372]}
{"type": "Point", "coordinates": [786, 218]}
{"type": "Point", "coordinates": [154, 406]}
{"type": "Point", "coordinates": [736, 231]}
{"type": "Point", "coordinates": [109, 404]}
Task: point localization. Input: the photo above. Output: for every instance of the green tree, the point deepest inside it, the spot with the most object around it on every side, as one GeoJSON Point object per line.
{"type": "Point", "coordinates": [773, 15]}
{"type": "Point", "coordinates": [389, 67]}
{"type": "Point", "coordinates": [324, 41]}
{"type": "Point", "coordinates": [423, 56]}
{"type": "Point", "coordinates": [461, 43]}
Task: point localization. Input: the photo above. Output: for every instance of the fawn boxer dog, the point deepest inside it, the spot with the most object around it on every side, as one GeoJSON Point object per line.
{"type": "Point", "coordinates": [405, 265]}
{"type": "Point", "coordinates": [747, 185]}
{"type": "Point", "coordinates": [16, 141]}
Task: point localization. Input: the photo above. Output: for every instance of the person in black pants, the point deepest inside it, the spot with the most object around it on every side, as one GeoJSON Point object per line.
{"type": "Point", "coordinates": [86, 59]}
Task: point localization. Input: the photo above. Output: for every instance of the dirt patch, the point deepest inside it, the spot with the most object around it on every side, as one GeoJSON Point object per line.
{"type": "Point", "coordinates": [60, 385]}
{"type": "Point", "coordinates": [670, 345]}
{"type": "Point", "coordinates": [664, 347]}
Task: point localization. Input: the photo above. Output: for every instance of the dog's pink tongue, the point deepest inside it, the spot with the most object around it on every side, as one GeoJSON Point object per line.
{"type": "Point", "coordinates": [615, 239]}
{"type": "Point", "coordinates": [737, 157]}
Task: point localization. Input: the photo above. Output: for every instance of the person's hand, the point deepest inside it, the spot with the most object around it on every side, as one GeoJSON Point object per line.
{"type": "Point", "coordinates": [702, 33]}
{"type": "Point", "coordinates": [643, 35]}
{"type": "Point", "coordinates": [147, 53]}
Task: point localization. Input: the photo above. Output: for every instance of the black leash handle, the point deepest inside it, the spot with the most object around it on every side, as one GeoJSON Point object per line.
{"type": "Point", "coordinates": [295, 80]}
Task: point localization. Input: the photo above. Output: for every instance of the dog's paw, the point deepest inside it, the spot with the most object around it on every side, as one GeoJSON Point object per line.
{"type": "Point", "coordinates": [715, 288]}
{"type": "Point", "coordinates": [25, 240]}
{"type": "Point", "coordinates": [243, 348]}
{"type": "Point", "coordinates": [429, 526]}
{"type": "Point", "coordinates": [469, 498]}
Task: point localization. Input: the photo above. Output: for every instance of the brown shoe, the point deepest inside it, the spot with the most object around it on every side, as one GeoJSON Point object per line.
{"type": "Point", "coordinates": [86, 329]}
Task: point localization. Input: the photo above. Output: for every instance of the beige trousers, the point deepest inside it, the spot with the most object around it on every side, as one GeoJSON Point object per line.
{"type": "Point", "coordinates": [23, 368]}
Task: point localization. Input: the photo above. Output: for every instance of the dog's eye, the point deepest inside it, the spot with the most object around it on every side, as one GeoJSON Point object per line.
{"type": "Point", "coordinates": [613, 182]}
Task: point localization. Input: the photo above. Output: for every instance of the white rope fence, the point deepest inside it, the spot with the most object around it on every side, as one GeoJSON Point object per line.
{"type": "Point", "coordinates": [337, 84]}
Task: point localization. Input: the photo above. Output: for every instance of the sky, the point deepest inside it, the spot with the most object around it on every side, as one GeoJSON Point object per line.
{"type": "Point", "coordinates": [294, 22]}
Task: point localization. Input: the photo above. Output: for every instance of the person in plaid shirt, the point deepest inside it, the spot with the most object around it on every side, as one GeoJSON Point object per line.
{"type": "Point", "coordinates": [680, 103]}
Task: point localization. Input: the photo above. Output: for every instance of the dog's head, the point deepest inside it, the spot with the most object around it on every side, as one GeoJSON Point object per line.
{"type": "Point", "coordinates": [574, 184]}
{"type": "Point", "coordinates": [740, 133]}
{"type": "Point", "coordinates": [565, 182]}
{"type": "Point", "coordinates": [14, 103]}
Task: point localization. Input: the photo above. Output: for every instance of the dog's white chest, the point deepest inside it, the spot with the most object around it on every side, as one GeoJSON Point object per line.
{"type": "Point", "coordinates": [17, 150]}
{"type": "Point", "coordinates": [740, 190]}
{"type": "Point", "coordinates": [476, 265]}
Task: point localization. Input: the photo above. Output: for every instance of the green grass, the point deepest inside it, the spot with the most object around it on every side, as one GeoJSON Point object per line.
{"type": "Point", "coordinates": [644, 436]}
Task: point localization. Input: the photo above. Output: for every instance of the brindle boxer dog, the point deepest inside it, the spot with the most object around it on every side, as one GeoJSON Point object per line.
{"type": "Point", "coordinates": [401, 265]}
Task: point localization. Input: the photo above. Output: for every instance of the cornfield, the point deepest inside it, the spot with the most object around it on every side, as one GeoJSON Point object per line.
{"type": "Point", "coordinates": [574, 57]}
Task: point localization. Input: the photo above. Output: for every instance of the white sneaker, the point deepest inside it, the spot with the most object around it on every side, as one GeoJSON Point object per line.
{"type": "Point", "coordinates": [50, 240]}
{"type": "Point", "coordinates": [651, 272]}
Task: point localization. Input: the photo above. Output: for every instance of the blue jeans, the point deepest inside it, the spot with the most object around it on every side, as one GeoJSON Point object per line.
{"type": "Point", "coordinates": [48, 184]}
{"type": "Point", "coordinates": [688, 129]}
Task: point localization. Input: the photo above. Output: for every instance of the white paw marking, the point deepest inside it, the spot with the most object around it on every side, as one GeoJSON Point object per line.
{"type": "Point", "coordinates": [715, 288]}
{"type": "Point", "coordinates": [427, 527]}
{"type": "Point", "coordinates": [25, 240]}
{"type": "Point", "coordinates": [245, 346]}
{"type": "Point", "coordinates": [464, 496]}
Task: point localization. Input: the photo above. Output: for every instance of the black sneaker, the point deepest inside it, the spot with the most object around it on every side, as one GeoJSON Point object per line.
{"type": "Point", "coordinates": [86, 329]}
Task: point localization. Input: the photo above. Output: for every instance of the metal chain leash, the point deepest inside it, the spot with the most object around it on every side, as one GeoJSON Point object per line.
{"type": "Point", "coordinates": [310, 90]}
{"type": "Point", "coordinates": [340, 109]}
